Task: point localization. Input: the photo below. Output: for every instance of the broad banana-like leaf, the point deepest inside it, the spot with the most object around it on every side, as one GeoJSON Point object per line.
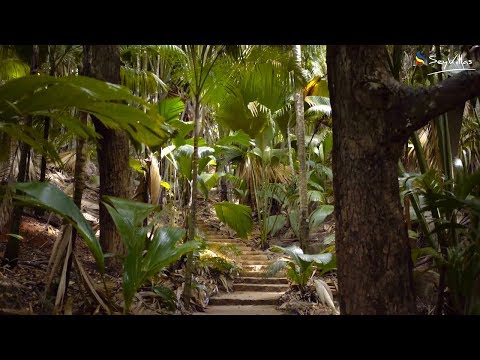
{"type": "Point", "coordinates": [318, 216]}
{"type": "Point", "coordinates": [40, 94]}
{"type": "Point", "coordinates": [52, 198]}
{"type": "Point", "coordinates": [275, 267]}
{"type": "Point", "coordinates": [238, 137]}
{"type": "Point", "coordinates": [144, 258]}
{"type": "Point", "coordinates": [184, 156]}
{"type": "Point", "coordinates": [134, 212]}
{"type": "Point", "coordinates": [206, 182]}
{"type": "Point", "coordinates": [162, 251]}
{"type": "Point", "coordinates": [294, 224]}
{"type": "Point", "coordinates": [315, 195]}
{"type": "Point", "coordinates": [236, 216]}
{"type": "Point", "coordinates": [171, 108]}
{"type": "Point", "coordinates": [303, 260]}
{"type": "Point", "coordinates": [275, 223]}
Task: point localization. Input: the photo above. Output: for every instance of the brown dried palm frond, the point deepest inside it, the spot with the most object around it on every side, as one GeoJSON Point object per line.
{"type": "Point", "coordinates": [470, 143]}
{"type": "Point", "coordinates": [252, 170]}
{"type": "Point", "coordinates": [429, 140]}
{"type": "Point", "coordinates": [154, 181]}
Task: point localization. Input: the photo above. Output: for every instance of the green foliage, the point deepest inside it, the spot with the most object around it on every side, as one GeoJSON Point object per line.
{"type": "Point", "coordinates": [275, 223]}
{"type": "Point", "coordinates": [206, 182]}
{"type": "Point", "coordinates": [184, 155]}
{"type": "Point", "coordinates": [318, 216]}
{"type": "Point", "coordinates": [451, 209]}
{"type": "Point", "coordinates": [150, 249]}
{"type": "Point", "coordinates": [300, 266]}
{"type": "Point", "coordinates": [48, 196]}
{"type": "Point", "coordinates": [238, 137]}
{"type": "Point", "coordinates": [318, 105]}
{"type": "Point", "coordinates": [236, 216]}
{"type": "Point", "coordinates": [170, 109]}
{"type": "Point", "coordinates": [167, 296]}
{"type": "Point", "coordinates": [53, 96]}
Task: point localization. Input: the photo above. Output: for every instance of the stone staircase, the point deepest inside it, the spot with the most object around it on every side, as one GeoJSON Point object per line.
{"type": "Point", "coordinates": [253, 293]}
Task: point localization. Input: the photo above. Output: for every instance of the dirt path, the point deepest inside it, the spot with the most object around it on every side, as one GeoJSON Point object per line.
{"type": "Point", "coordinates": [253, 293]}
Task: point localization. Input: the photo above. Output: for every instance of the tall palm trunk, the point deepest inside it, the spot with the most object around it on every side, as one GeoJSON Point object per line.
{"type": "Point", "coordinates": [46, 126]}
{"type": "Point", "coordinates": [223, 180]}
{"type": "Point", "coordinates": [302, 159]}
{"type": "Point", "coordinates": [112, 149]}
{"type": "Point", "coordinates": [79, 173]}
{"type": "Point", "coordinates": [13, 246]}
{"type": "Point", "coordinates": [193, 213]}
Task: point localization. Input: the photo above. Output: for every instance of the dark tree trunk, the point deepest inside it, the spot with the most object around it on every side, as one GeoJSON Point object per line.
{"type": "Point", "coordinates": [373, 253]}
{"type": "Point", "coordinates": [13, 245]}
{"type": "Point", "coordinates": [46, 126]}
{"type": "Point", "coordinates": [373, 116]}
{"type": "Point", "coordinates": [113, 147]}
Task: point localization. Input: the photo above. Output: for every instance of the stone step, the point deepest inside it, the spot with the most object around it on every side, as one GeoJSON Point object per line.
{"type": "Point", "coordinates": [252, 267]}
{"type": "Point", "coordinates": [248, 256]}
{"type": "Point", "coordinates": [260, 287]}
{"type": "Point", "coordinates": [262, 280]}
{"type": "Point", "coordinates": [246, 298]}
{"type": "Point", "coordinates": [256, 262]}
{"type": "Point", "coordinates": [241, 248]}
{"type": "Point", "coordinates": [260, 274]}
{"type": "Point", "coordinates": [253, 253]}
{"type": "Point", "coordinates": [229, 241]}
{"type": "Point", "coordinates": [241, 310]}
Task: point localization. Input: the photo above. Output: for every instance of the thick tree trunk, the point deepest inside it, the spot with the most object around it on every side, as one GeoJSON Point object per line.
{"type": "Point", "coordinates": [113, 147]}
{"type": "Point", "coordinates": [373, 252]}
{"type": "Point", "coordinates": [302, 159]}
{"type": "Point", "coordinates": [373, 116]}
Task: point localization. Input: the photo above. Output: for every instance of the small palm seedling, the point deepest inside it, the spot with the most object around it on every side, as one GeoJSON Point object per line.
{"type": "Point", "coordinates": [300, 266]}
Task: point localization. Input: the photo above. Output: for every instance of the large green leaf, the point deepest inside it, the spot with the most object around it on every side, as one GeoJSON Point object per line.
{"type": "Point", "coordinates": [238, 137]}
{"type": "Point", "coordinates": [275, 223]}
{"type": "Point", "coordinates": [318, 258]}
{"type": "Point", "coordinates": [145, 258]}
{"type": "Point", "coordinates": [162, 251]}
{"type": "Point", "coordinates": [301, 265]}
{"type": "Point", "coordinates": [207, 181]}
{"type": "Point", "coordinates": [132, 211]}
{"type": "Point", "coordinates": [37, 95]}
{"type": "Point", "coordinates": [236, 216]}
{"type": "Point", "coordinates": [171, 109]}
{"type": "Point", "coordinates": [318, 216]}
{"type": "Point", "coordinates": [52, 198]}
{"type": "Point", "coordinates": [294, 224]}
{"type": "Point", "coordinates": [184, 155]}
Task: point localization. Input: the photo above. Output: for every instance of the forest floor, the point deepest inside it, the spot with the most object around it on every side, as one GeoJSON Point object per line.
{"type": "Point", "coordinates": [23, 289]}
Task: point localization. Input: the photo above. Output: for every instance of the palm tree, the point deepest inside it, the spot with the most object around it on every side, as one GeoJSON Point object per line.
{"type": "Point", "coordinates": [200, 61]}
{"type": "Point", "coordinates": [302, 160]}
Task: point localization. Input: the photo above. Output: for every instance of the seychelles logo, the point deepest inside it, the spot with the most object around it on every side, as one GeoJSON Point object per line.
{"type": "Point", "coordinates": [455, 65]}
{"type": "Point", "coordinates": [420, 60]}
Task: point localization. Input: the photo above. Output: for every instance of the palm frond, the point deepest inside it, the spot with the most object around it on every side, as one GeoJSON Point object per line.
{"type": "Point", "coordinates": [318, 104]}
